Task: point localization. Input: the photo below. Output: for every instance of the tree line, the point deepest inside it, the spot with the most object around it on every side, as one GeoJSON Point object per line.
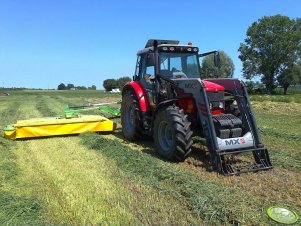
{"type": "Point", "coordinates": [110, 84]}
{"type": "Point", "coordinates": [70, 86]}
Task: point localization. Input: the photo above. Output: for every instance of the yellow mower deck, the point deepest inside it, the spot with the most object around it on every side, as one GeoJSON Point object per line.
{"type": "Point", "coordinates": [44, 127]}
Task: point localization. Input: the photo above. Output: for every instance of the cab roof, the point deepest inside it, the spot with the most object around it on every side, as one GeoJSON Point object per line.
{"type": "Point", "coordinates": [152, 42]}
{"type": "Point", "coordinates": [149, 46]}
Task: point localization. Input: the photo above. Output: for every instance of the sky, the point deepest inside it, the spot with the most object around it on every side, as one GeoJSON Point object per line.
{"type": "Point", "coordinates": [83, 42]}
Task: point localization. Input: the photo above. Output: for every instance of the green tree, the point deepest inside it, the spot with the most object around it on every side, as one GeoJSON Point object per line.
{"type": "Point", "coordinates": [81, 87]}
{"type": "Point", "coordinates": [93, 87]}
{"type": "Point", "coordinates": [272, 44]}
{"type": "Point", "coordinates": [289, 77]}
{"type": "Point", "coordinates": [61, 86]}
{"type": "Point", "coordinates": [255, 87]}
{"type": "Point", "coordinates": [70, 86]}
{"type": "Point", "coordinates": [110, 84]}
{"type": "Point", "coordinates": [121, 81]}
{"type": "Point", "coordinates": [225, 70]}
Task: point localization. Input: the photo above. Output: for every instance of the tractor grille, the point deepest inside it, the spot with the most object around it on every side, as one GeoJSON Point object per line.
{"type": "Point", "coordinates": [215, 96]}
{"type": "Point", "coordinates": [227, 126]}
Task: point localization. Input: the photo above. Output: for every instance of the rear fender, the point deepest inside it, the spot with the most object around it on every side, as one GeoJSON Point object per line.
{"type": "Point", "coordinates": [139, 90]}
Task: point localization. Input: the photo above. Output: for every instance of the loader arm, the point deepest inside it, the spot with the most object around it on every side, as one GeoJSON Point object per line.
{"type": "Point", "coordinates": [198, 90]}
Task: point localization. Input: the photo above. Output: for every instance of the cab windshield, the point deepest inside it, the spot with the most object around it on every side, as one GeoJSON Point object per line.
{"type": "Point", "coordinates": [179, 65]}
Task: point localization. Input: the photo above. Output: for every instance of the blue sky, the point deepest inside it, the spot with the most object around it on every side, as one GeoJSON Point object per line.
{"type": "Point", "coordinates": [44, 43]}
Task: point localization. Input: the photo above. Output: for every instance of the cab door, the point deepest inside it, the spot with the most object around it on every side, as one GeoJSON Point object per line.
{"type": "Point", "coordinates": [147, 77]}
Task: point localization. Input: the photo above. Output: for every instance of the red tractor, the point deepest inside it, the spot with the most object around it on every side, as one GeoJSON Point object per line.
{"type": "Point", "coordinates": [168, 100]}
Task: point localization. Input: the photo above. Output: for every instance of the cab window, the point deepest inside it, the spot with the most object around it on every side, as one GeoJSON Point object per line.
{"type": "Point", "coordinates": [147, 72]}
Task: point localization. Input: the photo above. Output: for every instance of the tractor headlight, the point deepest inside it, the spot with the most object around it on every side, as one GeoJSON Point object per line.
{"type": "Point", "coordinates": [189, 49]}
{"type": "Point", "coordinates": [221, 104]}
{"type": "Point", "coordinates": [172, 48]}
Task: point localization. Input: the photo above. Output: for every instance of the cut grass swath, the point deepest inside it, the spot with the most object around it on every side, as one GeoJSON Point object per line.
{"type": "Point", "coordinates": [211, 202]}
{"type": "Point", "coordinates": [17, 207]}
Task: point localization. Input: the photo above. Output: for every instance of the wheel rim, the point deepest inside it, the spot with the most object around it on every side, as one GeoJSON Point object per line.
{"type": "Point", "coordinates": [165, 136]}
{"type": "Point", "coordinates": [129, 118]}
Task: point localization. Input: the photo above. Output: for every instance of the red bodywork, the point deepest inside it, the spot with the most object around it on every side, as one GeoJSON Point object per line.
{"type": "Point", "coordinates": [140, 93]}
{"type": "Point", "coordinates": [212, 87]}
{"type": "Point", "coordinates": [188, 103]}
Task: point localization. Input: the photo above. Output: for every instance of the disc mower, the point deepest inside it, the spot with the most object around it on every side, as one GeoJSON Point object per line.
{"type": "Point", "coordinates": [168, 100]}
{"type": "Point", "coordinates": [71, 122]}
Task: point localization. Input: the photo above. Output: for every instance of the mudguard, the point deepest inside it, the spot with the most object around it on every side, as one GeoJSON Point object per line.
{"type": "Point", "coordinates": [141, 94]}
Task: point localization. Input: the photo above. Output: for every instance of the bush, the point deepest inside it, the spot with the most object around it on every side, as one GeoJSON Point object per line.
{"type": "Point", "coordinates": [255, 87]}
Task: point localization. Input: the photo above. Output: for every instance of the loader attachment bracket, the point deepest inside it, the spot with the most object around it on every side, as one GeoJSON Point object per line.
{"type": "Point", "coordinates": [262, 162]}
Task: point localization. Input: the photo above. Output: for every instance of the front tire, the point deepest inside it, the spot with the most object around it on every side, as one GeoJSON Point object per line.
{"type": "Point", "coordinates": [130, 119]}
{"type": "Point", "coordinates": [172, 133]}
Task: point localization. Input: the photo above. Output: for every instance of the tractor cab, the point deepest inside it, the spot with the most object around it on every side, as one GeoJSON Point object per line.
{"type": "Point", "coordinates": [168, 59]}
{"type": "Point", "coordinates": [178, 62]}
{"type": "Point", "coordinates": [171, 61]}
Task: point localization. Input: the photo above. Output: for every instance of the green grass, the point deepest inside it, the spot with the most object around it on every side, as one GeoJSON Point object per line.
{"type": "Point", "coordinates": [289, 98]}
{"type": "Point", "coordinates": [69, 94]}
{"type": "Point", "coordinates": [290, 90]}
{"type": "Point", "coordinates": [278, 124]}
{"type": "Point", "coordinates": [207, 200]}
{"type": "Point", "coordinates": [75, 185]}
{"type": "Point", "coordinates": [18, 207]}
{"type": "Point", "coordinates": [102, 179]}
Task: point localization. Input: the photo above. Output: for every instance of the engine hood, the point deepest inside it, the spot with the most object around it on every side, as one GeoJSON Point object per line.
{"type": "Point", "coordinates": [212, 87]}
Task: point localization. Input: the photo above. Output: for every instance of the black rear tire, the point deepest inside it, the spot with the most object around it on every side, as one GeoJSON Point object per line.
{"type": "Point", "coordinates": [130, 117]}
{"type": "Point", "coordinates": [172, 133]}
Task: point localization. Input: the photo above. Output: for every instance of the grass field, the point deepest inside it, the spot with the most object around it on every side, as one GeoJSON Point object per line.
{"type": "Point", "coordinates": [102, 179]}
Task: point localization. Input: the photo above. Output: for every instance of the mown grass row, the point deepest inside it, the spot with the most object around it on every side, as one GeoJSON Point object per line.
{"type": "Point", "coordinates": [279, 193]}
{"type": "Point", "coordinates": [211, 202]}
{"type": "Point", "coordinates": [283, 152]}
{"type": "Point", "coordinates": [77, 186]}
{"type": "Point", "coordinates": [65, 183]}
{"type": "Point", "coordinates": [17, 205]}
{"type": "Point", "coordinates": [42, 106]}
{"type": "Point", "coordinates": [280, 134]}
{"type": "Point", "coordinates": [279, 126]}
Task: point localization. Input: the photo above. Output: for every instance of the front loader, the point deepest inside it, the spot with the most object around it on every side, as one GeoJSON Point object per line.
{"type": "Point", "coordinates": [168, 100]}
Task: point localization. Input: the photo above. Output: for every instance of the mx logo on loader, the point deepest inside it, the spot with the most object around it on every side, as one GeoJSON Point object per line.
{"type": "Point", "coordinates": [235, 141]}
{"type": "Point", "coordinates": [232, 142]}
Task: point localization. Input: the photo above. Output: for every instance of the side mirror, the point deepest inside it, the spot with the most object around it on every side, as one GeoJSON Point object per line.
{"type": "Point", "coordinates": [217, 59]}
{"type": "Point", "coordinates": [150, 60]}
